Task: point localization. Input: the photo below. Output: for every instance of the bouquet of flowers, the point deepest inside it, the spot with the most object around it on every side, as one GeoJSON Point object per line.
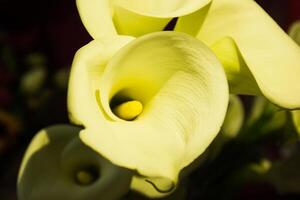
{"type": "Point", "coordinates": [154, 96]}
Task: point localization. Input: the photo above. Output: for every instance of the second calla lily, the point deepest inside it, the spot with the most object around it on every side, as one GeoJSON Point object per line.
{"type": "Point", "coordinates": [104, 18]}
{"type": "Point", "coordinates": [258, 57]}
{"type": "Point", "coordinates": [153, 106]}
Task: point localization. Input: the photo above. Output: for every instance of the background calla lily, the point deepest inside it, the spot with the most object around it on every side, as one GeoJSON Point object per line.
{"type": "Point", "coordinates": [184, 95]}
{"type": "Point", "coordinates": [103, 18]}
{"type": "Point", "coordinates": [264, 61]}
{"type": "Point", "coordinates": [57, 165]}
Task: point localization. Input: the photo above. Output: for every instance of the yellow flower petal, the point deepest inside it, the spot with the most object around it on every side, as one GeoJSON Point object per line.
{"type": "Point", "coordinates": [130, 23]}
{"type": "Point", "coordinates": [241, 80]}
{"type": "Point", "coordinates": [187, 23]}
{"type": "Point", "coordinates": [166, 8]}
{"type": "Point", "coordinates": [184, 93]}
{"type": "Point", "coordinates": [96, 17]}
{"type": "Point", "coordinates": [271, 56]}
{"type": "Point", "coordinates": [134, 17]}
{"type": "Point", "coordinates": [87, 68]}
{"type": "Point", "coordinates": [105, 18]}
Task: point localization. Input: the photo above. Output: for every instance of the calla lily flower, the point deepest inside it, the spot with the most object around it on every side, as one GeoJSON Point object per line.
{"type": "Point", "coordinates": [152, 106]}
{"type": "Point", "coordinates": [104, 18]}
{"type": "Point", "coordinates": [258, 57]}
{"type": "Point", "coordinates": [57, 165]}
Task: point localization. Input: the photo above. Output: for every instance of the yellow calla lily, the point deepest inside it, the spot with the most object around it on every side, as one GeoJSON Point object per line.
{"type": "Point", "coordinates": [103, 18]}
{"type": "Point", "coordinates": [175, 92]}
{"type": "Point", "coordinates": [57, 165]}
{"type": "Point", "coordinates": [258, 57]}
{"type": "Point", "coordinates": [270, 55]}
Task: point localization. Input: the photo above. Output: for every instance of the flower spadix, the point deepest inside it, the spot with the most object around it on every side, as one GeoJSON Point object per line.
{"type": "Point", "coordinates": [174, 91]}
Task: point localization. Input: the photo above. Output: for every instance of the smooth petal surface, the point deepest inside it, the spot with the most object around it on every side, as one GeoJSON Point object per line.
{"type": "Point", "coordinates": [96, 15]}
{"type": "Point", "coordinates": [137, 18]}
{"type": "Point", "coordinates": [271, 56]}
{"type": "Point", "coordinates": [184, 92]}
{"type": "Point", "coordinates": [54, 158]}
{"type": "Point", "coordinates": [105, 18]}
{"type": "Point", "coordinates": [166, 8]}
{"type": "Point", "coordinates": [88, 66]}
{"type": "Point", "coordinates": [130, 23]}
{"type": "Point", "coordinates": [241, 80]}
{"type": "Point", "coordinates": [192, 23]}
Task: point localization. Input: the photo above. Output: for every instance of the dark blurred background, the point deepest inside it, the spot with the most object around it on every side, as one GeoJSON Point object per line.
{"type": "Point", "coordinates": [37, 42]}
